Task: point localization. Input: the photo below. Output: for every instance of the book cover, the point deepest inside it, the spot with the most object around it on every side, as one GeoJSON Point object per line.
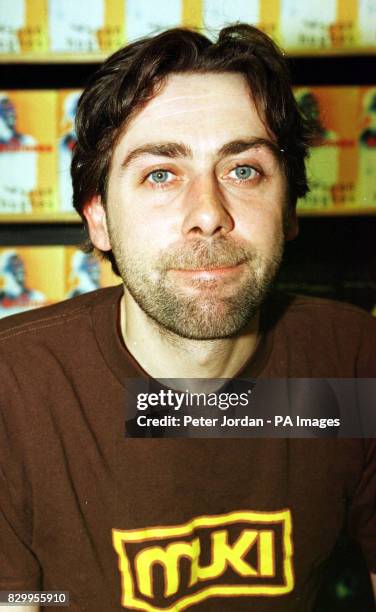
{"type": "Point", "coordinates": [23, 27]}
{"type": "Point", "coordinates": [367, 23]}
{"type": "Point", "coordinates": [307, 25]}
{"type": "Point", "coordinates": [366, 140]}
{"type": "Point", "coordinates": [263, 14]}
{"type": "Point", "coordinates": [88, 26]}
{"type": "Point", "coordinates": [27, 152]}
{"type": "Point", "coordinates": [331, 167]}
{"type": "Point", "coordinates": [142, 20]}
{"type": "Point", "coordinates": [85, 272]}
{"type": "Point", "coordinates": [30, 277]}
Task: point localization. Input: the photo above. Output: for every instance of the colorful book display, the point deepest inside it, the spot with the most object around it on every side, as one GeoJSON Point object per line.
{"type": "Point", "coordinates": [98, 27]}
{"type": "Point", "coordinates": [366, 141]}
{"type": "Point", "coordinates": [28, 278]}
{"type": "Point", "coordinates": [341, 172]}
{"type": "Point", "coordinates": [307, 25]}
{"type": "Point", "coordinates": [331, 167]}
{"type": "Point", "coordinates": [37, 138]}
{"type": "Point", "coordinates": [27, 152]}
{"type": "Point", "coordinates": [87, 26]}
{"type": "Point", "coordinates": [329, 25]}
{"type": "Point", "coordinates": [23, 27]}
{"type": "Point", "coordinates": [31, 277]}
{"type": "Point", "coordinates": [85, 272]}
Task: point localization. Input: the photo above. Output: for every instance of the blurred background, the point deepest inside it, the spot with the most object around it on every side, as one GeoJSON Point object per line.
{"type": "Point", "coordinates": [48, 49]}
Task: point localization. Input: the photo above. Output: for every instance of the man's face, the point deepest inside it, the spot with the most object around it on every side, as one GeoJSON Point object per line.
{"type": "Point", "coordinates": [195, 207]}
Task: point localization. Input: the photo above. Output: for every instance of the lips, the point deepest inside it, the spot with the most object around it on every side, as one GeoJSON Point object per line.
{"type": "Point", "coordinates": [209, 273]}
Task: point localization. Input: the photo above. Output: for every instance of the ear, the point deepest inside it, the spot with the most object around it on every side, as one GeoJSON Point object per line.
{"type": "Point", "coordinates": [292, 226]}
{"type": "Point", "coordinates": [95, 216]}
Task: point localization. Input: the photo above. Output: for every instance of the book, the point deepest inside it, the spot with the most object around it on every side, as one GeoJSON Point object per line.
{"type": "Point", "coordinates": [366, 138]}
{"type": "Point", "coordinates": [29, 278]}
{"type": "Point", "coordinates": [35, 276]}
{"type": "Point", "coordinates": [367, 23]}
{"type": "Point", "coordinates": [307, 24]}
{"type": "Point", "coordinates": [87, 26]}
{"type": "Point", "coordinates": [263, 14]}
{"type": "Point", "coordinates": [23, 27]}
{"type": "Point", "coordinates": [332, 166]}
{"type": "Point", "coordinates": [66, 110]}
{"type": "Point", "coordinates": [85, 272]}
{"type": "Point", "coordinates": [27, 152]}
{"type": "Point", "coordinates": [143, 20]}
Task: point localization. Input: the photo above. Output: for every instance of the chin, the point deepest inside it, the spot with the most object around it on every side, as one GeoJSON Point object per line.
{"type": "Point", "coordinates": [208, 328]}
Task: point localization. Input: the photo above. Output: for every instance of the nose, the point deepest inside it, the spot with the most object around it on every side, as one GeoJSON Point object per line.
{"type": "Point", "coordinates": [206, 212]}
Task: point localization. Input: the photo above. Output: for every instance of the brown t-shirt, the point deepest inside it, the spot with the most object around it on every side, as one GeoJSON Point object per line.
{"type": "Point", "coordinates": [172, 524]}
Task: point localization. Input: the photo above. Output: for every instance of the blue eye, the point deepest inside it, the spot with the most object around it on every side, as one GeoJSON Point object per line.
{"type": "Point", "coordinates": [244, 173]}
{"type": "Point", "coordinates": [159, 176]}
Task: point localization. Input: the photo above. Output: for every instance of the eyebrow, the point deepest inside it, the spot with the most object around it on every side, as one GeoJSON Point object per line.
{"type": "Point", "coordinates": [158, 149]}
{"type": "Point", "coordinates": [180, 150]}
{"type": "Point", "coordinates": [239, 146]}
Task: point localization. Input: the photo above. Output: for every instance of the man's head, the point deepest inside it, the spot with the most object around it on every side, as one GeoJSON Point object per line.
{"type": "Point", "coordinates": [189, 161]}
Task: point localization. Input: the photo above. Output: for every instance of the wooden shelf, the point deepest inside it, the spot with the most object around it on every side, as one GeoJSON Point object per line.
{"type": "Point", "coordinates": [330, 52]}
{"type": "Point", "coordinates": [41, 218]}
{"type": "Point", "coordinates": [339, 211]}
{"type": "Point", "coordinates": [95, 58]}
{"type": "Point", "coordinates": [56, 58]}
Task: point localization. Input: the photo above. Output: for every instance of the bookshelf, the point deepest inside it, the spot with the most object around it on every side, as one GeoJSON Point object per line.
{"type": "Point", "coordinates": [349, 65]}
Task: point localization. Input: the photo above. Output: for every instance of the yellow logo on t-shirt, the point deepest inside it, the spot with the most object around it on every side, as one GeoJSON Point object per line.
{"type": "Point", "coordinates": [167, 569]}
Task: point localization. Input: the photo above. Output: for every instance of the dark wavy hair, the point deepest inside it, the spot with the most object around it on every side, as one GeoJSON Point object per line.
{"type": "Point", "coordinates": [135, 74]}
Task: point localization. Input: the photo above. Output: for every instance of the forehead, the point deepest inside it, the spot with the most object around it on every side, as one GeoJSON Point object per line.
{"type": "Point", "coordinates": [204, 110]}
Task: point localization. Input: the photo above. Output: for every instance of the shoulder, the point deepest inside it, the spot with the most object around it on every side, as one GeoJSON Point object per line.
{"type": "Point", "coordinates": [298, 309]}
{"type": "Point", "coordinates": [48, 325]}
{"type": "Point", "coordinates": [324, 335]}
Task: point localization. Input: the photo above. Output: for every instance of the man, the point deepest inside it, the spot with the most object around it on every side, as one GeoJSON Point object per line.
{"type": "Point", "coordinates": [189, 161]}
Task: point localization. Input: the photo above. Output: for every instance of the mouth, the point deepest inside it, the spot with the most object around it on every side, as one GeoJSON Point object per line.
{"type": "Point", "coordinates": [209, 273]}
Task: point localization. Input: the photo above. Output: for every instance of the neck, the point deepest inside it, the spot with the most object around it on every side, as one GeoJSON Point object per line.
{"type": "Point", "coordinates": [163, 354]}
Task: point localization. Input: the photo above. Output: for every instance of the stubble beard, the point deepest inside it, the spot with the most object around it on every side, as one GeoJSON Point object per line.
{"type": "Point", "coordinates": [200, 314]}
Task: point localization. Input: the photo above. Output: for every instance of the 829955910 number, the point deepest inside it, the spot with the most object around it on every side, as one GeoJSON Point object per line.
{"type": "Point", "coordinates": [50, 598]}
